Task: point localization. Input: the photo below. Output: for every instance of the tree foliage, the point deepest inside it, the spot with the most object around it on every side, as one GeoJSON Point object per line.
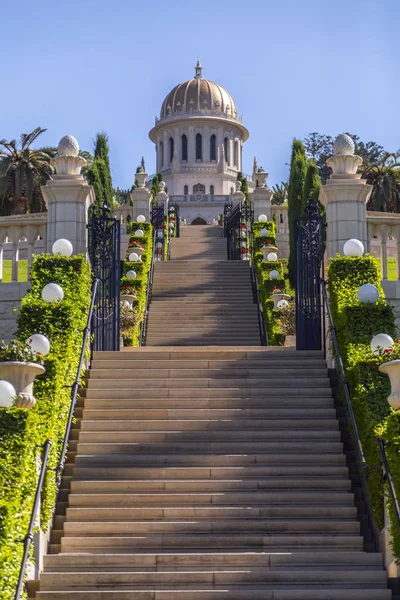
{"type": "Point", "coordinates": [22, 172]}
{"type": "Point", "coordinates": [385, 178]}
{"type": "Point", "coordinates": [244, 187]}
{"type": "Point", "coordinates": [280, 195]}
{"type": "Point", "coordinates": [296, 203]}
{"type": "Point", "coordinates": [99, 175]}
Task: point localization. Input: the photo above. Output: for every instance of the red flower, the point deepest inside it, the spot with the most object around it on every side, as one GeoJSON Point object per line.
{"type": "Point", "coordinates": [388, 350]}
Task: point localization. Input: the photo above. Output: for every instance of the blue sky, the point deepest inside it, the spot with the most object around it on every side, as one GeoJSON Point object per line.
{"type": "Point", "coordinates": [292, 66]}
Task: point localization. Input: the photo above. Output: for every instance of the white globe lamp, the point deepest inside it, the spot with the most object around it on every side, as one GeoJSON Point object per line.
{"type": "Point", "coordinates": [141, 219]}
{"type": "Point", "coordinates": [272, 257]}
{"type": "Point", "coordinates": [159, 245]}
{"type": "Point", "coordinates": [62, 247]}
{"type": "Point", "coordinates": [262, 219]}
{"type": "Point", "coordinates": [368, 293]}
{"type": "Point", "coordinates": [274, 274]}
{"type": "Point", "coordinates": [139, 233]}
{"type": "Point", "coordinates": [380, 342]}
{"type": "Point", "coordinates": [282, 304]}
{"type": "Point", "coordinates": [39, 344]}
{"type": "Point", "coordinates": [131, 275]}
{"type": "Point", "coordinates": [52, 292]}
{"type": "Point", "coordinates": [353, 248]}
{"type": "Point", "coordinates": [264, 233]}
{"type": "Point", "coordinates": [133, 257]}
{"type": "Point", "coordinates": [7, 394]}
{"type": "Point", "coordinates": [243, 244]}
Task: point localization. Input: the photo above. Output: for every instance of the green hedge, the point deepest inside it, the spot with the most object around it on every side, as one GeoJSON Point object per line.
{"type": "Point", "coordinates": [23, 433]}
{"type": "Point", "coordinates": [138, 285]}
{"type": "Point", "coordinates": [356, 325]}
{"type": "Point", "coordinates": [276, 336]}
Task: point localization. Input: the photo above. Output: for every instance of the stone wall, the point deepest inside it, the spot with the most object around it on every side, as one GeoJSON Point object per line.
{"type": "Point", "coordinates": [11, 295]}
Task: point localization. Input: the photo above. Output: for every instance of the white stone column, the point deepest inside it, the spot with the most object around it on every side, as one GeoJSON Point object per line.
{"type": "Point", "coordinates": [261, 197]}
{"type": "Point", "coordinates": [162, 197]}
{"type": "Point", "coordinates": [141, 197]}
{"type": "Point", "coordinates": [68, 197]}
{"type": "Point", "coordinates": [345, 196]}
{"type": "Point", "coordinates": [238, 196]}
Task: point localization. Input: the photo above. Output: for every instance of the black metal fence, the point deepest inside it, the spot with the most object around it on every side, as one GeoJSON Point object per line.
{"type": "Point", "coordinates": [105, 261]}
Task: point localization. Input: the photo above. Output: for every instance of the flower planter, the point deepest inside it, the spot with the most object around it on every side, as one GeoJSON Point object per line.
{"type": "Point", "coordinates": [131, 298]}
{"type": "Point", "coordinates": [392, 369]}
{"type": "Point", "coordinates": [139, 251]}
{"type": "Point", "coordinates": [277, 297]}
{"type": "Point", "coordinates": [266, 250]}
{"type": "Point", "coordinates": [21, 375]}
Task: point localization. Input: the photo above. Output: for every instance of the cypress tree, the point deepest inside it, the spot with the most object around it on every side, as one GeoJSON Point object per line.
{"type": "Point", "coordinates": [296, 202]}
{"type": "Point", "coordinates": [312, 183]}
{"type": "Point", "coordinates": [99, 175]}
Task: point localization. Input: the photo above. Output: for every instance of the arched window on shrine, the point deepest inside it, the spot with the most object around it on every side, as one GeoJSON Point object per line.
{"type": "Point", "coordinates": [199, 147]}
{"type": "Point", "coordinates": [186, 190]}
{"type": "Point", "coordinates": [171, 149]}
{"type": "Point", "coordinates": [162, 154]}
{"type": "Point", "coordinates": [236, 154]}
{"type": "Point", "coordinates": [199, 187]}
{"type": "Point", "coordinates": [213, 147]}
{"type": "Point", "coordinates": [211, 190]}
{"type": "Point", "coordinates": [184, 147]}
{"type": "Point", "coordinates": [226, 150]}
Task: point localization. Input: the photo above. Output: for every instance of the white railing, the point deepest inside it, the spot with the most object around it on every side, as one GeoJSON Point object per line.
{"type": "Point", "coordinates": [21, 236]}
{"type": "Point", "coordinates": [383, 230]}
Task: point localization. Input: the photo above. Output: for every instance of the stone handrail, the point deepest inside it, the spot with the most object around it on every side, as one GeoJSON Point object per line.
{"type": "Point", "coordinates": [21, 234]}
{"type": "Point", "coordinates": [381, 226]}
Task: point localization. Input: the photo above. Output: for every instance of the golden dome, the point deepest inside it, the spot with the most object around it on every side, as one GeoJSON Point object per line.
{"type": "Point", "coordinates": [196, 95]}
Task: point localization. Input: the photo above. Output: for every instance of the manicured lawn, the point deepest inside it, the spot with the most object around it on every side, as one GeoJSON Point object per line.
{"type": "Point", "coordinates": [22, 270]}
{"type": "Point", "coordinates": [392, 269]}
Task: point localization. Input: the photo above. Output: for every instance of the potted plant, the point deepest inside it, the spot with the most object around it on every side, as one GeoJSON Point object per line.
{"type": "Point", "coordinates": [128, 294]}
{"type": "Point", "coordinates": [287, 320]}
{"type": "Point", "coordinates": [391, 366]}
{"type": "Point", "coordinates": [278, 295]}
{"type": "Point", "coordinates": [128, 319]}
{"type": "Point", "coordinates": [136, 245]}
{"type": "Point", "coordinates": [20, 365]}
{"type": "Point", "coordinates": [266, 246]}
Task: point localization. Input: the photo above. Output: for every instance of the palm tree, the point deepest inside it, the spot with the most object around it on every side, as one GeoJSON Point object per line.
{"type": "Point", "coordinates": [22, 172]}
{"type": "Point", "coordinates": [385, 178]}
{"type": "Point", "coordinates": [280, 193]}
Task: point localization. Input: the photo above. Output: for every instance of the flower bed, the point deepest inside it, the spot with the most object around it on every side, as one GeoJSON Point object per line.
{"type": "Point", "coordinates": [22, 433]}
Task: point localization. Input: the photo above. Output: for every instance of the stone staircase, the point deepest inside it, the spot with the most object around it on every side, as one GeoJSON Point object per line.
{"type": "Point", "coordinates": [200, 298]}
{"type": "Point", "coordinates": [208, 474]}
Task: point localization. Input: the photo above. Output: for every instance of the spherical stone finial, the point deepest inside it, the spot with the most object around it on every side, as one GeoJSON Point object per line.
{"type": "Point", "coordinates": [68, 146]}
{"type": "Point", "coordinates": [162, 185]}
{"type": "Point", "coordinates": [343, 144]}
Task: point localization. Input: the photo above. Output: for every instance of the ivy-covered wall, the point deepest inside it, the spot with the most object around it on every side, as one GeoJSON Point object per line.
{"type": "Point", "coordinates": [23, 433]}
{"type": "Point", "coordinates": [276, 337]}
{"type": "Point", "coordinates": [356, 324]}
{"type": "Point", "coordinates": [137, 286]}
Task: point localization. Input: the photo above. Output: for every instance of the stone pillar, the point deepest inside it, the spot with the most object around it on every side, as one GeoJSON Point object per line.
{"type": "Point", "coordinates": [68, 197]}
{"type": "Point", "coordinates": [162, 197]}
{"type": "Point", "coordinates": [141, 197]}
{"type": "Point", "coordinates": [238, 196]}
{"type": "Point", "coordinates": [261, 197]}
{"type": "Point", "coordinates": [345, 196]}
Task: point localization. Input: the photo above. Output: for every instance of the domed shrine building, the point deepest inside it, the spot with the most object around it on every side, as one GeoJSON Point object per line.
{"type": "Point", "coordinates": [199, 138]}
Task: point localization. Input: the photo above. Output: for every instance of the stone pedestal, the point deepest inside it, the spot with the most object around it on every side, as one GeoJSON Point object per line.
{"type": "Point", "coordinates": [238, 196]}
{"type": "Point", "coordinates": [345, 196]}
{"type": "Point", "coordinates": [141, 197]}
{"type": "Point", "coordinates": [162, 197]}
{"type": "Point", "coordinates": [261, 197]}
{"type": "Point", "coordinates": [68, 197]}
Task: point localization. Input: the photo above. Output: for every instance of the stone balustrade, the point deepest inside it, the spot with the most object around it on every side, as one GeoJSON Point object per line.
{"type": "Point", "coordinates": [384, 238]}
{"type": "Point", "coordinates": [21, 236]}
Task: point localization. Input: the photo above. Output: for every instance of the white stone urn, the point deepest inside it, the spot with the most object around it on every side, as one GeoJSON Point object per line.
{"type": "Point", "coordinates": [22, 375]}
{"type": "Point", "coordinates": [131, 298]}
{"type": "Point", "coordinates": [266, 250]}
{"type": "Point", "coordinates": [139, 251]}
{"type": "Point", "coordinates": [392, 369]}
{"type": "Point", "coordinates": [277, 297]}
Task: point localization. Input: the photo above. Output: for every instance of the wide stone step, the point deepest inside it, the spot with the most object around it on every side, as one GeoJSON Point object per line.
{"type": "Point", "coordinates": [231, 373]}
{"type": "Point", "coordinates": [273, 403]}
{"type": "Point", "coordinates": [188, 486]}
{"type": "Point", "coordinates": [183, 513]}
{"type": "Point", "coordinates": [208, 382]}
{"type": "Point", "coordinates": [221, 417]}
{"type": "Point", "coordinates": [208, 392]}
{"type": "Point", "coordinates": [221, 593]}
{"type": "Point", "coordinates": [214, 460]}
{"type": "Point", "coordinates": [205, 473]}
{"type": "Point", "coordinates": [261, 353]}
{"type": "Point", "coordinates": [267, 560]}
{"type": "Point", "coordinates": [212, 541]}
{"type": "Point", "coordinates": [211, 577]}
{"type": "Point", "coordinates": [270, 366]}
{"type": "Point", "coordinates": [258, 497]}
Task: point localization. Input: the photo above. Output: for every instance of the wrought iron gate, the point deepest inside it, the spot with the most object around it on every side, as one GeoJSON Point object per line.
{"type": "Point", "coordinates": [158, 222]}
{"type": "Point", "coordinates": [105, 261]}
{"type": "Point", "coordinates": [237, 226]}
{"type": "Point", "coordinates": [309, 244]}
{"type": "Point", "coordinates": [173, 210]}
